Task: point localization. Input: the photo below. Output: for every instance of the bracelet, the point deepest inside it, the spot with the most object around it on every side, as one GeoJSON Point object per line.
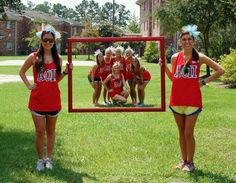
{"type": "Point", "coordinates": [203, 82]}
{"type": "Point", "coordinates": [64, 73]}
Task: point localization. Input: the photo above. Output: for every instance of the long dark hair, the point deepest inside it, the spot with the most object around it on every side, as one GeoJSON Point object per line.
{"type": "Point", "coordinates": [195, 54]}
{"type": "Point", "coordinates": [136, 69]}
{"type": "Point", "coordinates": [39, 64]}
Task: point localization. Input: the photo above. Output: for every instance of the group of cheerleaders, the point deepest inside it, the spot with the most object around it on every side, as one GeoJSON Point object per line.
{"type": "Point", "coordinates": [113, 71]}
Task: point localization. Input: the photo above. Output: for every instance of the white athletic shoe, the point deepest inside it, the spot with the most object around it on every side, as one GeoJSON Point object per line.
{"type": "Point", "coordinates": [48, 164]}
{"type": "Point", "coordinates": [40, 165]}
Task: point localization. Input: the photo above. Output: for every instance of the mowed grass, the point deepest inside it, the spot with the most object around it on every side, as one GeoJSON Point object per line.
{"type": "Point", "coordinates": [117, 147]}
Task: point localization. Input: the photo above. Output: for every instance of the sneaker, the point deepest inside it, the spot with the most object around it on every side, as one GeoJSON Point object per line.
{"type": "Point", "coordinates": [48, 163]}
{"type": "Point", "coordinates": [181, 165]}
{"type": "Point", "coordinates": [40, 165]}
{"type": "Point", "coordinates": [189, 167]}
{"type": "Point", "coordinates": [140, 104]}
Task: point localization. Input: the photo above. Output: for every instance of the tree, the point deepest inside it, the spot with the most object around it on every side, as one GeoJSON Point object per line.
{"type": "Point", "coordinates": [87, 11]}
{"type": "Point", "coordinates": [105, 30]}
{"type": "Point", "coordinates": [45, 7]}
{"type": "Point", "coordinates": [133, 24]}
{"type": "Point", "coordinates": [30, 5]}
{"type": "Point", "coordinates": [89, 31]}
{"type": "Point", "coordinates": [207, 14]}
{"type": "Point", "coordinates": [121, 15]}
{"type": "Point", "coordinates": [13, 4]}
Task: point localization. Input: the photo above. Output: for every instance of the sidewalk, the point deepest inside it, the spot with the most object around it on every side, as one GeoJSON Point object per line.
{"type": "Point", "coordinates": [20, 62]}
{"type": "Point", "coordinates": [16, 78]}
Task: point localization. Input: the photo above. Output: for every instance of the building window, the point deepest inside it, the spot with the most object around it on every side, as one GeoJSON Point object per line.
{"type": "Point", "coordinates": [1, 35]}
{"type": "Point", "coordinates": [9, 25]}
{"type": "Point", "coordinates": [9, 46]}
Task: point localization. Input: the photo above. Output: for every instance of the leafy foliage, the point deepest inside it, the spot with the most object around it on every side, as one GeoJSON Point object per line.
{"type": "Point", "coordinates": [11, 4]}
{"type": "Point", "coordinates": [151, 53]}
{"type": "Point", "coordinates": [89, 31]}
{"type": "Point", "coordinates": [45, 7]}
{"type": "Point", "coordinates": [209, 15]}
{"type": "Point", "coordinates": [87, 11]}
{"type": "Point", "coordinates": [229, 64]}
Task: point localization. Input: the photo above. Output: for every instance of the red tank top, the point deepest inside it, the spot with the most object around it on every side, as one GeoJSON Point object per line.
{"type": "Point", "coordinates": [121, 61]}
{"type": "Point", "coordinates": [185, 89]}
{"type": "Point", "coordinates": [107, 68]}
{"type": "Point", "coordinates": [98, 72]}
{"type": "Point", "coordinates": [46, 96]}
{"type": "Point", "coordinates": [116, 83]}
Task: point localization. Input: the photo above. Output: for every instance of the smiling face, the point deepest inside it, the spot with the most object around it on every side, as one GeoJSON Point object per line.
{"type": "Point", "coordinates": [47, 41]}
{"type": "Point", "coordinates": [186, 41]}
{"type": "Point", "coordinates": [118, 52]}
{"type": "Point", "coordinates": [128, 54]}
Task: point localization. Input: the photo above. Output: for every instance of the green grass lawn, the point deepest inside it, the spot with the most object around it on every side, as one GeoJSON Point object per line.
{"type": "Point", "coordinates": [117, 147]}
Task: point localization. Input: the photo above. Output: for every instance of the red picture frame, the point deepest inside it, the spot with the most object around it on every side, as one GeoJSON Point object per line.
{"type": "Point", "coordinates": [162, 107]}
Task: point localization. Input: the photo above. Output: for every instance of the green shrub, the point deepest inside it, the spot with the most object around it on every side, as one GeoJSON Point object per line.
{"type": "Point", "coordinates": [151, 53]}
{"type": "Point", "coordinates": [228, 62]}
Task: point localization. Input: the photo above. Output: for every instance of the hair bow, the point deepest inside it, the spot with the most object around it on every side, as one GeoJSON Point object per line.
{"type": "Point", "coordinates": [97, 52]}
{"type": "Point", "coordinates": [192, 29]}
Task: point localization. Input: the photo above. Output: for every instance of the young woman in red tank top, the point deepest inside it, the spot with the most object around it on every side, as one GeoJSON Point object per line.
{"type": "Point", "coordinates": [108, 63]}
{"type": "Point", "coordinates": [45, 100]}
{"type": "Point", "coordinates": [185, 98]}
{"type": "Point", "coordinates": [95, 75]}
{"type": "Point", "coordinates": [120, 59]}
{"type": "Point", "coordinates": [139, 76]}
{"type": "Point", "coordinates": [116, 86]}
{"type": "Point", "coordinates": [128, 61]}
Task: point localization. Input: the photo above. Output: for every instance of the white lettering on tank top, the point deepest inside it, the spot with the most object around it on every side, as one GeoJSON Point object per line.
{"type": "Point", "coordinates": [117, 84]}
{"type": "Point", "coordinates": [47, 75]}
{"type": "Point", "coordinates": [191, 74]}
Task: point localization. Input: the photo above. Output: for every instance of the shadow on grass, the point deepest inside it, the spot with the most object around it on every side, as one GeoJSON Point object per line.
{"type": "Point", "coordinates": [197, 175]}
{"type": "Point", "coordinates": [18, 161]}
{"type": "Point", "coordinates": [128, 105]}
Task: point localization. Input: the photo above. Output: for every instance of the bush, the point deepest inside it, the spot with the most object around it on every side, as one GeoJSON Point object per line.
{"type": "Point", "coordinates": [151, 53]}
{"type": "Point", "coordinates": [228, 62]}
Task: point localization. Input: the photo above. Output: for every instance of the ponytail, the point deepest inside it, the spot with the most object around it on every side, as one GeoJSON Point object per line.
{"type": "Point", "coordinates": [195, 55]}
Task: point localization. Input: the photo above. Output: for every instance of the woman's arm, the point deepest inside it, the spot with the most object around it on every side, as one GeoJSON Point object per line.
{"type": "Point", "coordinates": [142, 69]}
{"type": "Point", "coordinates": [65, 71]}
{"type": "Point", "coordinates": [125, 86]}
{"type": "Point", "coordinates": [215, 66]}
{"type": "Point", "coordinates": [106, 81]}
{"type": "Point", "coordinates": [25, 67]}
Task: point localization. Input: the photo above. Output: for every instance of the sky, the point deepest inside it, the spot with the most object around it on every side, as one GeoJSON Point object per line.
{"type": "Point", "coordinates": [129, 4]}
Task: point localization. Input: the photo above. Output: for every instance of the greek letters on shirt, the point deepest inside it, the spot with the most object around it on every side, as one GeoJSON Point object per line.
{"type": "Point", "coordinates": [191, 74]}
{"type": "Point", "coordinates": [47, 75]}
{"type": "Point", "coordinates": [117, 84]}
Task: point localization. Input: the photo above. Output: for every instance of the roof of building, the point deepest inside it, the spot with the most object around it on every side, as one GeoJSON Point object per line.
{"type": "Point", "coordinates": [139, 2]}
{"type": "Point", "coordinates": [37, 15]}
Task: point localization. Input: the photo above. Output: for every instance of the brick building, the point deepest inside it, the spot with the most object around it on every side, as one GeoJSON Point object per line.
{"type": "Point", "coordinates": [149, 25]}
{"type": "Point", "coordinates": [17, 27]}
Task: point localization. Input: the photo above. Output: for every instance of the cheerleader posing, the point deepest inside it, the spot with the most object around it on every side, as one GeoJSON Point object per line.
{"type": "Point", "coordinates": [45, 99]}
{"type": "Point", "coordinates": [185, 98]}
{"type": "Point", "coordinates": [95, 75]}
{"type": "Point", "coordinates": [116, 87]}
{"type": "Point", "coordinates": [139, 76]}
